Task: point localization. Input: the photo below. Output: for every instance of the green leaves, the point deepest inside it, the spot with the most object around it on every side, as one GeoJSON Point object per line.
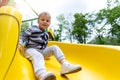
{"type": "Point", "coordinates": [24, 26]}
{"type": "Point", "coordinates": [80, 28]}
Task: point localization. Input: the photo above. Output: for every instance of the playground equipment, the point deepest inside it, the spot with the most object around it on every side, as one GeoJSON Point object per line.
{"type": "Point", "coordinates": [98, 62]}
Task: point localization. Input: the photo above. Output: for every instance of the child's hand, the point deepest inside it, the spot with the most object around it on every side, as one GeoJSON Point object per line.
{"type": "Point", "coordinates": [20, 48]}
{"type": "Point", "coordinates": [47, 58]}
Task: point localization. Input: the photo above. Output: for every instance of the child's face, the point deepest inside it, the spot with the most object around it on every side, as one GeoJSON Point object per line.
{"type": "Point", "coordinates": [44, 21]}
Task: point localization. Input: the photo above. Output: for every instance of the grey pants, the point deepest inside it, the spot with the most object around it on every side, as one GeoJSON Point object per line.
{"type": "Point", "coordinates": [37, 57]}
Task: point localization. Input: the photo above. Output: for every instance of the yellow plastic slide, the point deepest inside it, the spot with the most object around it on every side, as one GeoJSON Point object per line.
{"type": "Point", "coordinates": [98, 62]}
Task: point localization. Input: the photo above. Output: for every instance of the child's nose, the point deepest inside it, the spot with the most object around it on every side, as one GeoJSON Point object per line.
{"type": "Point", "coordinates": [45, 21]}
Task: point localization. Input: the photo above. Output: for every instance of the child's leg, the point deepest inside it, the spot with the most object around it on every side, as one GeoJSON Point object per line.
{"type": "Point", "coordinates": [66, 66]}
{"type": "Point", "coordinates": [54, 50]}
{"type": "Point", "coordinates": [37, 60]}
{"type": "Point", "coordinates": [38, 64]}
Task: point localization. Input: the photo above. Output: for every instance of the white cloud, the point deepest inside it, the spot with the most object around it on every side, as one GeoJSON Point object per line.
{"type": "Point", "coordinates": [95, 5]}
{"type": "Point", "coordinates": [56, 7]}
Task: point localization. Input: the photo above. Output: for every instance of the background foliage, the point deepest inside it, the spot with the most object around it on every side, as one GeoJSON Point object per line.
{"type": "Point", "coordinates": [102, 27]}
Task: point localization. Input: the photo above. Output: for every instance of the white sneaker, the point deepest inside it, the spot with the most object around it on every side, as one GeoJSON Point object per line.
{"type": "Point", "coordinates": [48, 76]}
{"type": "Point", "coordinates": [67, 68]}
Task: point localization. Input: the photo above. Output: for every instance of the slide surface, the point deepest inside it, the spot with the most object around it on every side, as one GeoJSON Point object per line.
{"type": "Point", "coordinates": [98, 62]}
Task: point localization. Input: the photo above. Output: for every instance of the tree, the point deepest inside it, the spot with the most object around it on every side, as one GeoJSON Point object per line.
{"type": "Point", "coordinates": [80, 28]}
{"type": "Point", "coordinates": [60, 33]}
{"type": "Point", "coordinates": [109, 21]}
{"type": "Point", "coordinates": [24, 26]}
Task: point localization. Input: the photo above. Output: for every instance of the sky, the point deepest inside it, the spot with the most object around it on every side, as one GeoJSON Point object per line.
{"type": "Point", "coordinates": [57, 7]}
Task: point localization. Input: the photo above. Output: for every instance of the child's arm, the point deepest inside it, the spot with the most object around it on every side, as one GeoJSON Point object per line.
{"type": "Point", "coordinates": [24, 39]}
{"type": "Point", "coordinates": [20, 48]}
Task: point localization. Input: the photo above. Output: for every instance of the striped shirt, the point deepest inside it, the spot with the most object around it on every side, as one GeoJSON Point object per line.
{"type": "Point", "coordinates": [34, 37]}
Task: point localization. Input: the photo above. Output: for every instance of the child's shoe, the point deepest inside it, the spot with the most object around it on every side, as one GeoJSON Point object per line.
{"type": "Point", "coordinates": [48, 76]}
{"type": "Point", "coordinates": [67, 68]}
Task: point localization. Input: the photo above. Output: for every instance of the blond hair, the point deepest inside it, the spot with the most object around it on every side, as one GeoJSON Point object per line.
{"type": "Point", "coordinates": [44, 13]}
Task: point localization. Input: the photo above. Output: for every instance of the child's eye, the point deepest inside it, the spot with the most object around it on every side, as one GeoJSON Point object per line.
{"type": "Point", "coordinates": [48, 21]}
{"type": "Point", "coordinates": [42, 19]}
